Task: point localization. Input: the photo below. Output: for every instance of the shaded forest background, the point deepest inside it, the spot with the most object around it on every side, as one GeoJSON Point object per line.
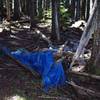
{"type": "Point", "coordinates": [61, 12]}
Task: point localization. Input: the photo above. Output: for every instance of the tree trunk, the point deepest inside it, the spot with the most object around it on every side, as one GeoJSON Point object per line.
{"type": "Point", "coordinates": [91, 5]}
{"type": "Point", "coordinates": [89, 30]}
{"type": "Point", "coordinates": [1, 10]}
{"type": "Point", "coordinates": [33, 13]}
{"type": "Point", "coordinates": [67, 3]}
{"type": "Point", "coordinates": [72, 9]}
{"type": "Point", "coordinates": [87, 9]}
{"type": "Point", "coordinates": [16, 10]}
{"type": "Point", "coordinates": [28, 7]}
{"type": "Point", "coordinates": [55, 19]}
{"type": "Point", "coordinates": [94, 63]}
{"type": "Point", "coordinates": [77, 10]}
{"type": "Point", "coordinates": [96, 45]}
{"type": "Point", "coordinates": [8, 9]}
{"type": "Point", "coordinates": [40, 8]}
{"type": "Point", "coordinates": [48, 4]}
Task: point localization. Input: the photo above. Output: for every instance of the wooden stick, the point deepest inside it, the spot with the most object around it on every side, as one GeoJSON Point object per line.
{"type": "Point", "coordinates": [61, 49]}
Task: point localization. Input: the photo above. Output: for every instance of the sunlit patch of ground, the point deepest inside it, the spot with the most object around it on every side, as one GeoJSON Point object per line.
{"type": "Point", "coordinates": [16, 97]}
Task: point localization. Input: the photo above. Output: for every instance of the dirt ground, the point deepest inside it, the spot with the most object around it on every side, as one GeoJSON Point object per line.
{"type": "Point", "coordinates": [17, 83]}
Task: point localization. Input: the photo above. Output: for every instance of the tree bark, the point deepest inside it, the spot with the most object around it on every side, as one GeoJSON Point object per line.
{"type": "Point", "coordinates": [40, 8]}
{"type": "Point", "coordinates": [87, 10]}
{"type": "Point", "coordinates": [16, 10]}
{"type": "Point", "coordinates": [72, 9]}
{"type": "Point", "coordinates": [96, 44]}
{"type": "Point", "coordinates": [1, 10]}
{"type": "Point", "coordinates": [86, 35]}
{"type": "Point", "coordinates": [55, 19]}
{"type": "Point", "coordinates": [77, 10]}
{"type": "Point", "coordinates": [33, 13]}
{"type": "Point", "coordinates": [8, 9]}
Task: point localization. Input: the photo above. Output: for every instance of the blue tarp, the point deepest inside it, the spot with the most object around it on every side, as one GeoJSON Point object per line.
{"type": "Point", "coordinates": [43, 62]}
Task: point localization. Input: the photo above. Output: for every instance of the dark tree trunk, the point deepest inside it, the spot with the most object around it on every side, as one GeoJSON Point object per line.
{"type": "Point", "coordinates": [33, 13]}
{"type": "Point", "coordinates": [87, 8]}
{"type": "Point", "coordinates": [48, 4]}
{"type": "Point", "coordinates": [8, 9]}
{"type": "Point", "coordinates": [55, 19]}
{"type": "Point", "coordinates": [83, 5]}
{"type": "Point", "coordinates": [35, 7]}
{"type": "Point", "coordinates": [96, 45]}
{"type": "Point", "coordinates": [77, 10]}
{"type": "Point", "coordinates": [67, 3]}
{"type": "Point", "coordinates": [25, 7]}
{"type": "Point", "coordinates": [40, 8]}
{"type": "Point", "coordinates": [72, 9]}
{"type": "Point", "coordinates": [28, 7]}
{"type": "Point", "coordinates": [1, 10]}
{"type": "Point", "coordinates": [94, 63]}
{"type": "Point", "coordinates": [16, 9]}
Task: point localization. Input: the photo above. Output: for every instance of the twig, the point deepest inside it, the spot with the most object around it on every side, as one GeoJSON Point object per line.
{"type": "Point", "coordinates": [52, 97]}
{"type": "Point", "coordinates": [11, 68]}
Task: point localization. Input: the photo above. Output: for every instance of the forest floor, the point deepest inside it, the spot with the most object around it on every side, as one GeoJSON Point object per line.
{"type": "Point", "coordinates": [16, 81]}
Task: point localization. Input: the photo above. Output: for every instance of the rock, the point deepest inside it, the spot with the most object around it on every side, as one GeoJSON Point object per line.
{"type": "Point", "coordinates": [79, 24]}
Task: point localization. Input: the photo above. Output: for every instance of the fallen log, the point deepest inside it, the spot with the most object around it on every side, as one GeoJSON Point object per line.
{"type": "Point", "coordinates": [14, 22]}
{"type": "Point", "coordinates": [44, 37]}
{"type": "Point", "coordinates": [84, 91]}
{"type": "Point", "coordinates": [85, 75]}
{"type": "Point", "coordinates": [6, 24]}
